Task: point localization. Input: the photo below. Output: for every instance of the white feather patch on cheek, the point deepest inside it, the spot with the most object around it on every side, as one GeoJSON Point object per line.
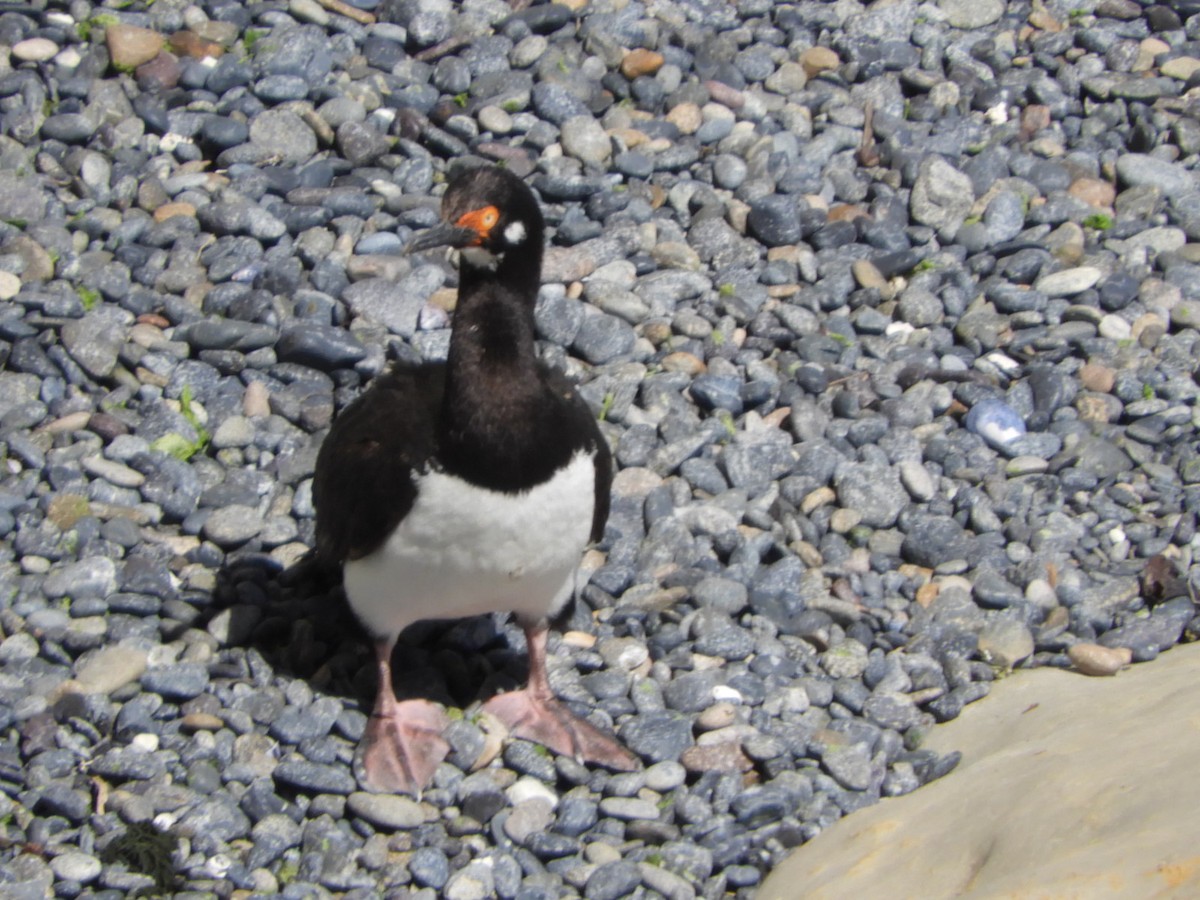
{"type": "Point", "coordinates": [514, 233]}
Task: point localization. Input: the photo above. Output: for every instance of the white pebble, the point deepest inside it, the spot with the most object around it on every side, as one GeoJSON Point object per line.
{"type": "Point", "coordinates": [34, 50]}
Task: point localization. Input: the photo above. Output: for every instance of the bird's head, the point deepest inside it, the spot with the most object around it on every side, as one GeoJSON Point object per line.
{"type": "Point", "coordinates": [490, 215]}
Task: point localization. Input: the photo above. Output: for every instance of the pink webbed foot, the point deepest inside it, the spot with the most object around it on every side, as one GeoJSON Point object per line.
{"type": "Point", "coordinates": [535, 714]}
{"type": "Point", "coordinates": [548, 722]}
{"type": "Point", "coordinates": [402, 744]}
{"type": "Point", "coordinates": [402, 747]}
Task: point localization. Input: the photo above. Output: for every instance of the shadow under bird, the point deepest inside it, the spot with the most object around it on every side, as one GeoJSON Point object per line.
{"type": "Point", "coordinates": [469, 487]}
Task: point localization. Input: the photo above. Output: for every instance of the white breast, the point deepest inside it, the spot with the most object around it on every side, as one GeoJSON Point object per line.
{"type": "Point", "coordinates": [464, 550]}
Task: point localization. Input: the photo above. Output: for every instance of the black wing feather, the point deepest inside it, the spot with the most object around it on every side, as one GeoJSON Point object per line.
{"type": "Point", "coordinates": [363, 485]}
{"type": "Point", "coordinates": [583, 430]}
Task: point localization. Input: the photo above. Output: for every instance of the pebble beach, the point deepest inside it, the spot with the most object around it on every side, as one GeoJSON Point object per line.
{"type": "Point", "coordinates": [889, 311]}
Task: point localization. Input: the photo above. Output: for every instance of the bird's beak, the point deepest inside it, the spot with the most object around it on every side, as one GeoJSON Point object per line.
{"type": "Point", "coordinates": [444, 234]}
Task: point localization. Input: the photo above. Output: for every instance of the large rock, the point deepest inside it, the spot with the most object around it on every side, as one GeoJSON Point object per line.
{"type": "Point", "coordinates": [1069, 787]}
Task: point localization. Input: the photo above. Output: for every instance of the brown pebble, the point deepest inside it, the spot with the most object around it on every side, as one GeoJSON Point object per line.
{"type": "Point", "coordinates": [686, 117]}
{"type": "Point", "coordinates": [1095, 377]}
{"type": "Point", "coordinates": [641, 62]}
{"type": "Point", "coordinates": [200, 721]}
{"type": "Point", "coordinates": [847, 212]}
{"type": "Point", "coordinates": [169, 210]}
{"type": "Point", "coordinates": [361, 16]}
{"type": "Point", "coordinates": [867, 274]}
{"type": "Point", "coordinates": [1093, 191]}
{"type": "Point", "coordinates": [1042, 18]}
{"type": "Point", "coordinates": [75, 421]}
{"type": "Point", "coordinates": [188, 43]}
{"type": "Point", "coordinates": [657, 333]}
{"type": "Point", "coordinates": [579, 639]}
{"type": "Point", "coordinates": [1148, 330]}
{"type": "Point", "coordinates": [163, 71]}
{"type": "Point", "coordinates": [256, 402]}
{"type": "Point", "coordinates": [721, 714]}
{"type": "Point", "coordinates": [681, 361]}
{"type": "Point", "coordinates": [1034, 118]}
{"type": "Point", "coordinates": [1092, 659]}
{"type": "Point", "coordinates": [727, 757]}
{"type": "Point", "coordinates": [725, 95]}
{"type": "Point", "coordinates": [816, 60]}
{"type": "Point", "coordinates": [927, 593]}
{"type": "Point", "coordinates": [67, 509]}
{"type": "Point", "coordinates": [1097, 407]}
{"type": "Point", "coordinates": [130, 46]}
{"type": "Point", "coordinates": [107, 426]}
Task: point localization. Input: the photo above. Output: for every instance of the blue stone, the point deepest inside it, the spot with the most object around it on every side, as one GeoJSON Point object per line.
{"type": "Point", "coordinates": [995, 421]}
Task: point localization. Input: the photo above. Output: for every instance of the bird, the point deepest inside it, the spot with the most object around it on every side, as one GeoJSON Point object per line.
{"type": "Point", "coordinates": [463, 488]}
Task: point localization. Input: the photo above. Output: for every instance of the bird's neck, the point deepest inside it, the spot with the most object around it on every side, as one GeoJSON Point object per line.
{"type": "Point", "coordinates": [493, 334]}
{"type": "Point", "coordinates": [492, 380]}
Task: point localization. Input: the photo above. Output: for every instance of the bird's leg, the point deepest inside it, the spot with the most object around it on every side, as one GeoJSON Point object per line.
{"type": "Point", "coordinates": [535, 714]}
{"type": "Point", "coordinates": [403, 744]}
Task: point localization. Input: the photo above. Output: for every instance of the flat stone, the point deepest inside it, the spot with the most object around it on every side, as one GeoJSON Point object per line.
{"type": "Point", "coordinates": [1100, 826]}
{"type": "Point", "coordinates": [130, 46]}
{"type": "Point", "coordinates": [95, 340]}
{"type": "Point", "coordinates": [971, 13]}
{"type": "Point", "coordinates": [390, 811]}
{"type": "Point", "coordinates": [34, 50]}
{"type": "Point", "coordinates": [10, 285]}
{"type": "Point", "coordinates": [1181, 67]}
{"type": "Point", "coordinates": [816, 60]}
{"type": "Point", "coordinates": [941, 196]}
{"type": "Point", "coordinates": [108, 669]}
{"type": "Point", "coordinates": [1069, 282]}
{"type": "Point", "coordinates": [585, 139]}
{"type": "Point", "coordinates": [641, 62]}
{"type": "Point", "coordinates": [1092, 659]}
{"type": "Point", "coordinates": [1135, 169]}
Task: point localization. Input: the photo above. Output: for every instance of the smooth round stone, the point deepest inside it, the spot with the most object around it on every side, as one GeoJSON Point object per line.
{"type": "Point", "coordinates": [316, 777]}
{"type": "Point", "coordinates": [308, 11]}
{"type": "Point", "coordinates": [967, 14]}
{"type": "Point", "coordinates": [528, 818]}
{"type": "Point", "coordinates": [1115, 328]}
{"type": "Point", "coordinates": [665, 776]}
{"type": "Point", "coordinates": [995, 421]}
{"type": "Point", "coordinates": [390, 811]}
{"type": "Point", "coordinates": [74, 866]}
{"type": "Point", "coordinates": [1068, 282]}
{"type": "Point", "coordinates": [232, 525]}
{"type": "Point", "coordinates": [1026, 465]}
{"type": "Point", "coordinates": [70, 128]}
{"type": "Point", "coordinates": [729, 171]}
{"type": "Point", "coordinates": [775, 220]}
{"type": "Point", "coordinates": [281, 88]}
{"type": "Point", "coordinates": [10, 285]}
{"type": "Point", "coordinates": [585, 139]}
{"type": "Point", "coordinates": [181, 681]}
{"type": "Point", "coordinates": [613, 880]}
{"type": "Point", "coordinates": [495, 120]}
{"type": "Point", "coordinates": [34, 50]}
{"type": "Point", "coordinates": [1135, 169]}
{"type": "Point", "coordinates": [429, 867]}
{"type": "Point", "coordinates": [1005, 216]}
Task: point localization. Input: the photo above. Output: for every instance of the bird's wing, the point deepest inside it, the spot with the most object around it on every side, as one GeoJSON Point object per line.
{"type": "Point", "coordinates": [583, 421]}
{"type": "Point", "coordinates": [364, 480]}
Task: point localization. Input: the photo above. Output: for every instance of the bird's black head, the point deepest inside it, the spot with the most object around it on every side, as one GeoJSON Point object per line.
{"type": "Point", "coordinates": [492, 216]}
